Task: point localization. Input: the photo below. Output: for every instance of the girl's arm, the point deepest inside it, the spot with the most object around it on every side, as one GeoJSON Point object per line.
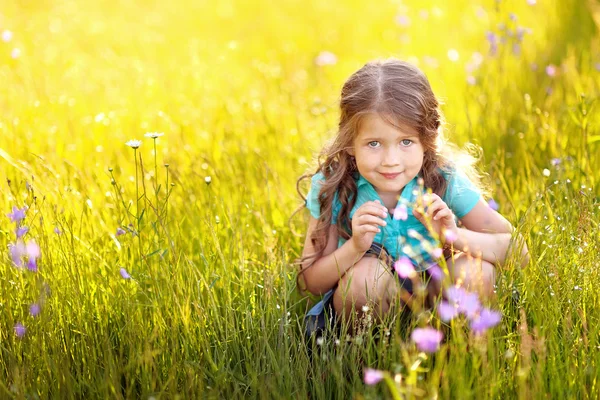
{"type": "Point", "coordinates": [325, 272]}
{"type": "Point", "coordinates": [489, 234]}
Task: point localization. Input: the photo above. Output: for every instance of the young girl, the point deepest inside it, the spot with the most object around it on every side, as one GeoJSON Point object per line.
{"type": "Point", "coordinates": [366, 204]}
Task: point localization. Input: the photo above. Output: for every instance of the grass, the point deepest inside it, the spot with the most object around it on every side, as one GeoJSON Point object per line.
{"type": "Point", "coordinates": [211, 309]}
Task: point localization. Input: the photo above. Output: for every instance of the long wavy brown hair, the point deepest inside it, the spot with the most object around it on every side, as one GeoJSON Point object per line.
{"type": "Point", "coordinates": [401, 94]}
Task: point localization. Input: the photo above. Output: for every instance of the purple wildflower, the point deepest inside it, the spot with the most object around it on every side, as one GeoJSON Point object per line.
{"type": "Point", "coordinates": [516, 49]}
{"type": "Point", "coordinates": [467, 303]}
{"type": "Point", "coordinates": [487, 319]}
{"type": "Point", "coordinates": [124, 273]}
{"type": "Point", "coordinates": [401, 213]}
{"type": "Point", "coordinates": [120, 231]}
{"type": "Point", "coordinates": [17, 251]}
{"type": "Point", "coordinates": [447, 311]}
{"type": "Point", "coordinates": [436, 272]}
{"type": "Point", "coordinates": [372, 376]}
{"type": "Point", "coordinates": [404, 267]}
{"type": "Point", "coordinates": [20, 330]}
{"type": "Point", "coordinates": [551, 70]}
{"type": "Point", "coordinates": [57, 231]}
{"type": "Point", "coordinates": [493, 39]}
{"type": "Point", "coordinates": [21, 231]}
{"type": "Point", "coordinates": [512, 16]}
{"type": "Point", "coordinates": [555, 161]}
{"type": "Point", "coordinates": [427, 339]}
{"type": "Point", "coordinates": [17, 214]}
{"type": "Point", "coordinates": [34, 309]}
{"type": "Point", "coordinates": [493, 205]}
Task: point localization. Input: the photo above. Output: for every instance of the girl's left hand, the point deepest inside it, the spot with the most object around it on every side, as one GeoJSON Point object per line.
{"type": "Point", "coordinates": [437, 216]}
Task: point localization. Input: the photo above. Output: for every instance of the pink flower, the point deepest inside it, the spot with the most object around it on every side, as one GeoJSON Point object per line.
{"type": "Point", "coordinates": [404, 267]}
{"type": "Point", "coordinates": [551, 70]}
{"type": "Point", "coordinates": [487, 319]}
{"type": "Point", "coordinates": [437, 252]}
{"type": "Point", "coordinates": [427, 339]}
{"type": "Point", "coordinates": [401, 213]}
{"type": "Point", "coordinates": [372, 376]}
{"type": "Point", "coordinates": [450, 236]}
{"type": "Point", "coordinates": [447, 311]}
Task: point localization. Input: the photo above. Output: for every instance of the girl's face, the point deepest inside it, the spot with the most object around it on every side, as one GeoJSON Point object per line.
{"type": "Point", "coordinates": [387, 157]}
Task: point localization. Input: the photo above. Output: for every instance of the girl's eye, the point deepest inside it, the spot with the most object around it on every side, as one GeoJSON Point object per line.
{"type": "Point", "coordinates": [406, 142]}
{"type": "Point", "coordinates": [373, 144]}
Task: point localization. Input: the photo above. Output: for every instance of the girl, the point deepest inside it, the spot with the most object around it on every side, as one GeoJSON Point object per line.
{"type": "Point", "coordinates": [365, 202]}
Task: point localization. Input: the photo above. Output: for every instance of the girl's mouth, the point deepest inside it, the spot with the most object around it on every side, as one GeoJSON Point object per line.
{"type": "Point", "coordinates": [389, 176]}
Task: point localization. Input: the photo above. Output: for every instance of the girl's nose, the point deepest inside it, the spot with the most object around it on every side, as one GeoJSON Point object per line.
{"type": "Point", "coordinates": [391, 157]}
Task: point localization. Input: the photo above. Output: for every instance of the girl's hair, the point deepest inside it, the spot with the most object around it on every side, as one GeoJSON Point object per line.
{"type": "Point", "coordinates": [401, 95]}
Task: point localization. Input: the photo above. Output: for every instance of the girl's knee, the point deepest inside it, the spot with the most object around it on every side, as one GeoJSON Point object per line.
{"type": "Point", "coordinates": [367, 282]}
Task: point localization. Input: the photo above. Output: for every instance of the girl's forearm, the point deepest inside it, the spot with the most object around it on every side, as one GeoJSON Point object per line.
{"type": "Point", "coordinates": [324, 273]}
{"type": "Point", "coordinates": [491, 247]}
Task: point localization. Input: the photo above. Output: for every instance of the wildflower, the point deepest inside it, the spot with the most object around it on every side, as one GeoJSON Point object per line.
{"type": "Point", "coordinates": [453, 55]}
{"type": "Point", "coordinates": [15, 53]}
{"type": "Point", "coordinates": [401, 213]}
{"type": "Point", "coordinates": [546, 172]}
{"type": "Point", "coordinates": [493, 205]}
{"type": "Point", "coordinates": [450, 236]}
{"type": "Point", "coordinates": [372, 376]}
{"type": "Point", "coordinates": [597, 66]}
{"type": "Point", "coordinates": [17, 214]}
{"type": "Point", "coordinates": [153, 135]}
{"type": "Point", "coordinates": [21, 231]}
{"type": "Point", "coordinates": [33, 253]}
{"type": "Point", "coordinates": [437, 252]}
{"type": "Point", "coordinates": [436, 272]}
{"type": "Point", "coordinates": [487, 319]}
{"type": "Point", "coordinates": [427, 339]}
{"type": "Point", "coordinates": [555, 161]}
{"type": "Point", "coordinates": [20, 330]}
{"type": "Point", "coordinates": [208, 180]}
{"type": "Point", "coordinates": [134, 144]}
{"type": "Point", "coordinates": [57, 231]}
{"type": "Point", "coordinates": [551, 70]}
{"type": "Point", "coordinates": [512, 16]}
{"type": "Point", "coordinates": [120, 231]}
{"type": "Point", "coordinates": [467, 303]}
{"type": "Point", "coordinates": [7, 36]}
{"type": "Point", "coordinates": [493, 40]}
{"type": "Point", "coordinates": [402, 20]}
{"type": "Point", "coordinates": [471, 80]}
{"type": "Point", "coordinates": [326, 58]}
{"type": "Point", "coordinates": [404, 267]}
{"type": "Point", "coordinates": [365, 308]}
{"type": "Point", "coordinates": [320, 341]}
{"type": "Point", "coordinates": [516, 49]}
{"type": "Point", "coordinates": [531, 2]}
{"type": "Point", "coordinates": [447, 311]}
{"type": "Point", "coordinates": [124, 273]}
{"type": "Point", "coordinates": [16, 252]}
{"type": "Point", "coordinates": [34, 309]}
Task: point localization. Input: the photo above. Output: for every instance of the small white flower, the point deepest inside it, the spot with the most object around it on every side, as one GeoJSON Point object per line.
{"type": "Point", "coordinates": [15, 53]}
{"type": "Point", "coordinates": [546, 172]}
{"type": "Point", "coordinates": [7, 36]}
{"type": "Point", "coordinates": [208, 179]}
{"type": "Point", "coordinates": [153, 135]}
{"type": "Point", "coordinates": [337, 342]}
{"type": "Point", "coordinates": [365, 308]}
{"type": "Point", "coordinates": [134, 144]}
{"type": "Point", "coordinates": [326, 58]}
{"type": "Point", "coordinates": [320, 341]}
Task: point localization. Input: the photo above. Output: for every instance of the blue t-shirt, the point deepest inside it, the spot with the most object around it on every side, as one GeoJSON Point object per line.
{"type": "Point", "coordinates": [461, 196]}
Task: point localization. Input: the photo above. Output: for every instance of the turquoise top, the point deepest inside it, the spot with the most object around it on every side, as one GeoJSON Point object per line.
{"type": "Point", "coordinates": [461, 196]}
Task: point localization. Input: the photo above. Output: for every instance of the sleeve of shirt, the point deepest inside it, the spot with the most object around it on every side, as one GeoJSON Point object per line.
{"type": "Point", "coordinates": [312, 199]}
{"type": "Point", "coordinates": [462, 195]}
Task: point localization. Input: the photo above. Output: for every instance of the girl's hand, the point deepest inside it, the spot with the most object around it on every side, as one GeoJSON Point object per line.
{"type": "Point", "coordinates": [366, 222]}
{"type": "Point", "coordinates": [435, 214]}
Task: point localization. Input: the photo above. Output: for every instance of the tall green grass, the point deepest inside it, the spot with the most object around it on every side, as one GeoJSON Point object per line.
{"type": "Point", "coordinates": [211, 308]}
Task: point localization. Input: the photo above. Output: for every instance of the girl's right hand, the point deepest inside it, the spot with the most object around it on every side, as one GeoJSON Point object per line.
{"type": "Point", "coordinates": [366, 222]}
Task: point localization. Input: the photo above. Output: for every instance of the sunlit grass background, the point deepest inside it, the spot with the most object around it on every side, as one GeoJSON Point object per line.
{"type": "Point", "coordinates": [246, 94]}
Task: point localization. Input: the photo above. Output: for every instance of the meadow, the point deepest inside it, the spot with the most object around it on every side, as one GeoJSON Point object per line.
{"type": "Point", "coordinates": [165, 269]}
